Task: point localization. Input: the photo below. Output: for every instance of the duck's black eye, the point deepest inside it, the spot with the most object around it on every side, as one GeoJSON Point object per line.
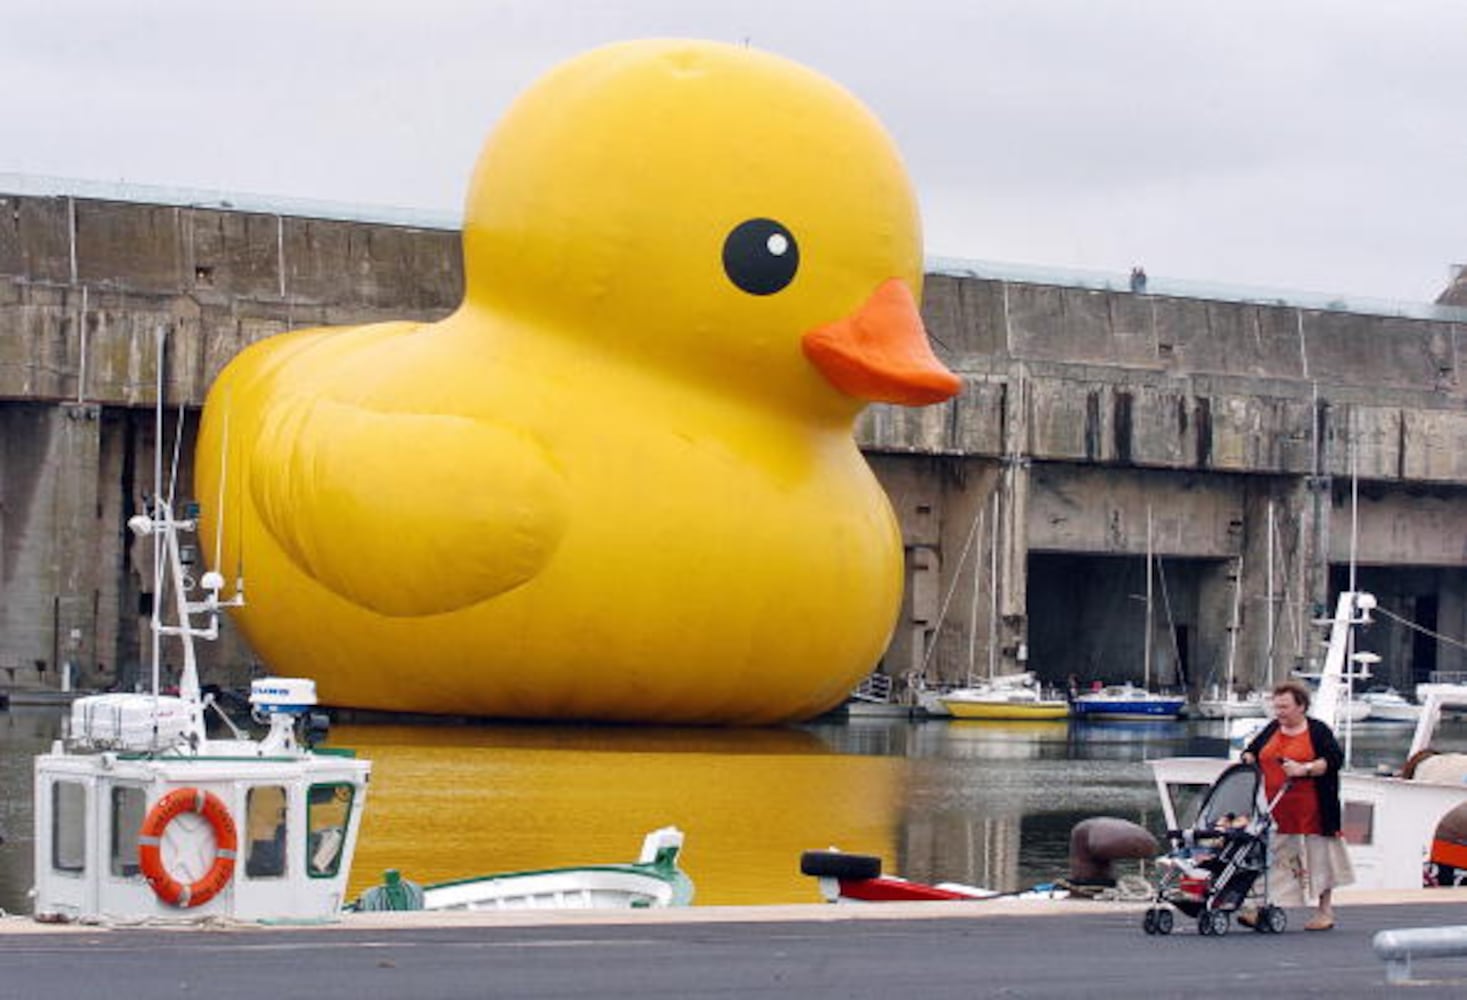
{"type": "Point", "coordinates": [760, 256]}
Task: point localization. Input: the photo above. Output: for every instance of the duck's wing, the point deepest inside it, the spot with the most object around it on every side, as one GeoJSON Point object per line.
{"type": "Point", "coordinates": [405, 514]}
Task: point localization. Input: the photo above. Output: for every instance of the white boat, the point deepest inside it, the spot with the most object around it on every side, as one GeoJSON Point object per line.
{"type": "Point", "coordinates": [1252, 705]}
{"type": "Point", "coordinates": [1013, 697]}
{"type": "Point", "coordinates": [141, 815]}
{"type": "Point", "coordinates": [875, 698]}
{"type": "Point", "coordinates": [654, 880]}
{"type": "Point", "coordinates": [1389, 705]}
{"type": "Point", "coordinates": [1393, 823]}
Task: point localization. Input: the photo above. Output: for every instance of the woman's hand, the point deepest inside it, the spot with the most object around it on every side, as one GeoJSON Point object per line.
{"type": "Point", "coordinates": [1298, 769]}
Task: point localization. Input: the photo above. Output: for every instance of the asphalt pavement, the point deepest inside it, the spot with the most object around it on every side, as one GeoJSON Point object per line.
{"type": "Point", "coordinates": [935, 951]}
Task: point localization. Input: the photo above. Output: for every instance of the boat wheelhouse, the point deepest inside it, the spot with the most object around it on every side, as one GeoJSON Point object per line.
{"type": "Point", "coordinates": [140, 814]}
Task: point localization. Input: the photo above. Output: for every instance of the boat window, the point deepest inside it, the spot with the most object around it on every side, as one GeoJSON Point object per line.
{"type": "Point", "coordinates": [265, 835]}
{"type": "Point", "coordinates": [326, 822]}
{"type": "Point", "coordinates": [1358, 824]}
{"type": "Point", "coordinates": [69, 827]}
{"type": "Point", "coordinates": [127, 808]}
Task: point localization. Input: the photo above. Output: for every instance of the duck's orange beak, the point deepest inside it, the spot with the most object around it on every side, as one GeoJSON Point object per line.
{"type": "Point", "coordinates": [880, 352]}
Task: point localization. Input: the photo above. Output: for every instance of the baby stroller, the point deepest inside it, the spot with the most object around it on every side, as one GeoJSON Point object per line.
{"type": "Point", "coordinates": [1222, 863]}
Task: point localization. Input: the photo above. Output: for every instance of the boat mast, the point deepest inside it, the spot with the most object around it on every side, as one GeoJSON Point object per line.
{"type": "Point", "coordinates": [1350, 662]}
{"type": "Point", "coordinates": [1146, 654]}
{"type": "Point", "coordinates": [973, 606]}
{"type": "Point", "coordinates": [992, 592]}
{"type": "Point", "coordinates": [156, 631]}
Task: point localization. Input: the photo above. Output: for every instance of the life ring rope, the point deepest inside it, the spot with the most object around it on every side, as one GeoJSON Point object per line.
{"type": "Point", "coordinates": [150, 846]}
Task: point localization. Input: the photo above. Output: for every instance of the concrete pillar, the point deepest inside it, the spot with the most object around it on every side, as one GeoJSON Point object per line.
{"type": "Point", "coordinates": [924, 588]}
{"type": "Point", "coordinates": [1451, 621]}
{"type": "Point", "coordinates": [1315, 514]}
{"type": "Point", "coordinates": [48, 505]}
{"type": "Point", "coordinates": [78, 564]}
{"type": "Point", "coordinates": [1217, 589]}
{"type": "Point", "coordinates": [966, 640]}
{"type": "Point", "coordinates": [1276, 607]}
{"type": "Point", "coordinates": [947, 515]}
{"type": "Point", "coordinates": [1013, 534]}
{"type": "Point", "coordinates": [1013, 567]}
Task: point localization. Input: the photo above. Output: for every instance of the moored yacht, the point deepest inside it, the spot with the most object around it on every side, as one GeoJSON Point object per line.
{"type": "Point", "coordinates": [1127, 702]}
{"type": "Point", "coordinates": [1010, 697]}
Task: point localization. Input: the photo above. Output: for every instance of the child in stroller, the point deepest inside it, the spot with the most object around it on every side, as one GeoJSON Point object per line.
{"type": "Point", "coordinates": [1216, 867]}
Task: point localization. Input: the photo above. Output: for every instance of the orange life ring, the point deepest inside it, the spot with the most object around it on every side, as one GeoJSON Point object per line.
{"type": "Point", "coordinates": [150, 841]}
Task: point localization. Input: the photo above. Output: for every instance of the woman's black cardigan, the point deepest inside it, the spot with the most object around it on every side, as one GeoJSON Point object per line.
{"type": "Point", "coordinates": [1327, 785]}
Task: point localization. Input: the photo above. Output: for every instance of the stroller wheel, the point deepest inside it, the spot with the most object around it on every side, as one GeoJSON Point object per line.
{"type": "Point", "coordinates": [1213, 923]}
{"type": "Point", "coordinates": [1148, 922]}
{"type": "Point", "coordinates": [1163, 921]}
{"type": "Point", "coordinates": [1273, 919]}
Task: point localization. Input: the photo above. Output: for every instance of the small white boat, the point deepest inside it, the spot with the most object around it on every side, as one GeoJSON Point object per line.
{"type": "Point", "coordinates": [1253, 705]}
{"type": "Point", "coordinates": [654, 880]}
{"type": "Point", "coordinates": [875, 698]}
{"type": "Point", "coordinates": [1011, 697]}
{"type": "Point", "coordinates": [1127, 702]}
{"type": "Point", "coordinates": [1389, 705]}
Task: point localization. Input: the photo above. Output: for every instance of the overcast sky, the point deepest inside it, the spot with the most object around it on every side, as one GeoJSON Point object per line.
{"type": "Point", "coordinates": [1314, 145]}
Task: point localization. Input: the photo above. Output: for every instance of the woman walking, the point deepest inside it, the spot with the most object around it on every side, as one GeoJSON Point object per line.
{"type": "Point", "coordinates": [1309, 856]}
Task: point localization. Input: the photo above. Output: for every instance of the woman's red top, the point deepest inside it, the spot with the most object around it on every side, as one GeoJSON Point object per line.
{"type": "Point", "coordinates": [1298, 810]}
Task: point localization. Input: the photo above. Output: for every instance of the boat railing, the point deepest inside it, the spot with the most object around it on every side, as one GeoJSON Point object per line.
{"type": "Point", "coordinates": [875, 687]}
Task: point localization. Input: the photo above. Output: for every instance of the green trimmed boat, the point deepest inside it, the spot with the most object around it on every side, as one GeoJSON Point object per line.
{"type": "Point", "coordinates": [653, 880]}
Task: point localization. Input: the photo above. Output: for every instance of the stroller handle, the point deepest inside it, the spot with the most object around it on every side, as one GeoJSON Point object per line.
{"type": "Point", "coordinates": [1283, 789]}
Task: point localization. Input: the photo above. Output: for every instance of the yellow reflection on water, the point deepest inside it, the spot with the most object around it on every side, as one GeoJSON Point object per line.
{"type": "Point", "coordinates": [449, 802]}
{"type": "Point", "coordinates": [1003, 739]}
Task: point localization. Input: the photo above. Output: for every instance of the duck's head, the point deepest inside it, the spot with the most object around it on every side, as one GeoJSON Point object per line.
{"type": "Point", "coordinates": [720, 212]}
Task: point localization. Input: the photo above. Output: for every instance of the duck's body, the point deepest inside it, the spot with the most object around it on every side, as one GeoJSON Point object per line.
{"type": "Point", "coordinates": [615, 483]}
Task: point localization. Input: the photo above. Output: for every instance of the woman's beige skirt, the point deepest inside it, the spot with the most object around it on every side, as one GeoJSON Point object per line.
{"type": "Point", "coordinates": [1305, 865]}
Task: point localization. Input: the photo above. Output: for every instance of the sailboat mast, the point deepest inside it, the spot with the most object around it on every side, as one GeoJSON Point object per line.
{"type": "Point", "coordinates": [973, 606]}
{"type": "Point", "coordinates": [992, 594]}
{"type": "Point", "coordinates": [1146, 655]}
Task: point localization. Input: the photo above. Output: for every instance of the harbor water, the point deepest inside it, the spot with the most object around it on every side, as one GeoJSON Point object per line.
{"type": "Point", "coordinates": [983, 803]}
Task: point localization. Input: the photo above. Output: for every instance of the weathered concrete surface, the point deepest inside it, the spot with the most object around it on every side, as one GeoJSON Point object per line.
{"type": "Point", "coordinates": [1237, 424]}
{"type": "Point", "coordinates": [1220, 417]}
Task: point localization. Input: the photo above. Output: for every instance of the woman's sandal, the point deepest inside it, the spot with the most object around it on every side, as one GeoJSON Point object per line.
{"type": "Point", "coordinates": [1320, 924]}
{"type": "Point", "coordinates": [1248, 918]}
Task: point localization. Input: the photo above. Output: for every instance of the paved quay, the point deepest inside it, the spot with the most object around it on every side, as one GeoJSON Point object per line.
{"type": "Point", "coordinates": [998, 949]}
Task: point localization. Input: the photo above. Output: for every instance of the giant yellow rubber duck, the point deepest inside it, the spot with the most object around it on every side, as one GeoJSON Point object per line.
{"type": "Point", "coordinates": [619, 482]}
